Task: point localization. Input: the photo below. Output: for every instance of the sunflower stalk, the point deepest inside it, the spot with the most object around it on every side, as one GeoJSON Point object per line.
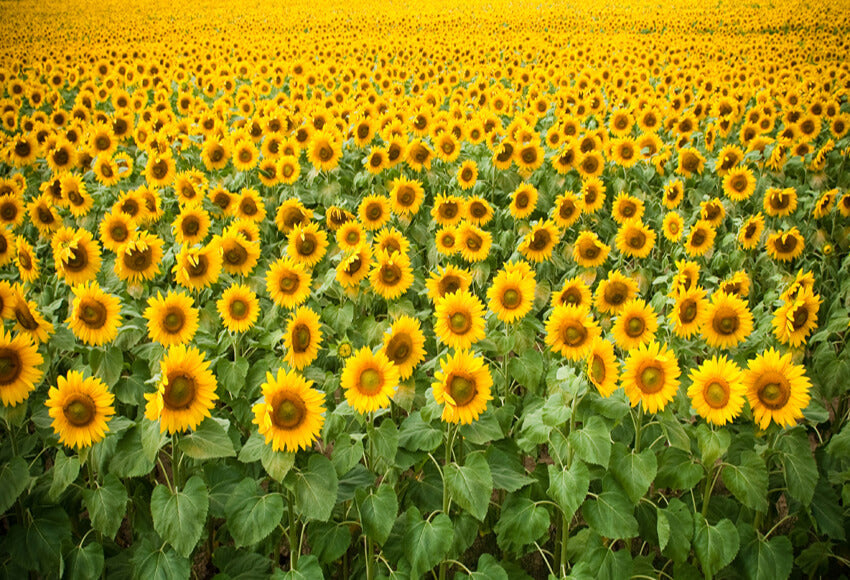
{"type": "Point", "coordinates": [447, 502]}
{"type": "Point", "coordinates": [292, 531]}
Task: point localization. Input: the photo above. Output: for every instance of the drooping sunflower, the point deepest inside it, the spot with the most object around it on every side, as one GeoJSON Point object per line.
{"type": "Point", "coordinates": [570, 331]}
{"type": "Point", "coordinates": [463, 385]}
{"type": "Point", "coordinates": [369, 380]}
{"type": "Point", "coordinates": [26, 260]}
{"type": "Point", "coordinates": [95, 315]}
{"type": "Point", "coordinates": [687, 277]}
{"type": "Point", "coordinates": [523, 201]}
{"type": "Point", "coordinates": [404, 345]}
{"type": "Point", "coordinates": [197, 268]}
{"type": "Point", "coordinates": [307, 244]}
{"type": "Point", "coordinates": [727, 321]}
{"type": "Point", "coordinates": [777, 389]}
{"type": "Point", "coordinates": [139, 259]}
{"type": "Point", "coordinates": [19, 368]}
{"type": "Point", "coordinates": [537, 245]}
{"type": "Point", "coordinates": [302, 338]}
{"type": "Point", "coordinates": [473, 242]}
{"type": "Point", "coordinates": [824, 204]}
{"type": "Point", "coordinates": [739, 184]}
{"type": "Point", "coordinates": [613, 292]}
{"type": "Point", "coordinates": [785, 245]}
{"type": "Point", "coordinates": [603, 370]}
{"type": "Point", "coordinates": [391, 274]}
{"type": "Point", "coordinates": [717, 390]}
{"type": "Point", "coordinates": [7, 300]}
{"type": "Point", "coordinates": [447, 279]}
{"type": "Point", "coordinates": [459, 319]}
{"type": "Point", "coordinates": [290, 414]}
{"type": "Point", "coordinates": [186, 392]}
{"type": "Point", "coordinates": [797, 318]}
{"type": "Point", "coordinates": [751, 230]}
{"type": "Point", "coordinates": [288, 283]}
{"type": "Point", "coordinates": [238, 308]}
{"type": "Point", "coordinates": [738, 284]}
{"type": "Point", "coordinates": [80, 407]}
{"type": "Point", "coordinates": [700, 239]}
{"type": "Point", "coordinates": [687, 311]}
{"type": "Point", "coordinates": [635, 239]}
{"type": "Point", "coordinates": [635, 325]}
{"type": "Point", "coordinates": [172, 319]}
{"type": "Point", "coordinates": [589, 251]}
{"type": "Point", "coordinates": [511, 295]}
{"type": "Point", "coordinates": [651, 376]}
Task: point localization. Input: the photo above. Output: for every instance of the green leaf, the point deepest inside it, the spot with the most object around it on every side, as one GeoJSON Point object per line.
{"type": "Point", "coordinates": [592, 442]}
{"type": "Point", "coordinates": [85, 563]}
{"type": "Point", "coordinates": [527, 369]}
{"type": "Point", "coordinates": [179, 517]}
{"type": "Point", "coordinates": [276, 463]}
{"type": "Point", "coordinates": [107, 364]}
{"type": "Point", "coordinates": [208, 441]}
{"type": "Point", "coordinates": [158, 563]}
{"type": "Point", "coordinates": [680, 519]}
{"type": "Point", "coordinates": [471, 485]}
{"type": "Point", "coordinates": [677, 470]}
{"type": "Point", "coordinates": [611, 515]}
{"type": "Point", "coordinates": [425, 543]}
{"type": "Point", "coordinates": [662, 528]}
{"type": "Point", "coordinates": [798, 462]}
{"type": "Point", "coordinates": [44, 536]}
{"type": "Point", "coordinates": [568, 487]}
{"type": "Point", "coordinates": [748, 480]}
{"type": "Point", "coordinates": [106, 505]}
{"type": "Point", "coordinates": [828, 513]}
{"type": "Point", "coordinates": [14, 478]}
{"type": "Point", "coordinates": [232, 374]}
{"type": "Point", "coordinates": [346, 454]}
{"type": "Point", "coordinates": [316, 489]}
{"type": "Point", "coordinates": [308, 568]}
{"type": "Point", "coordinates": [483, 431]}
{"type": "Point", "coordinates": [252, 450]}
{"type": "Point", "coordinates": [712, 444]}
{"type": "Point", "coordinates": [417, 435]}
{"type": "Point", "coordinates": [507, 472]}
{"type": "Point", "coordinates": [329, 540]}
{"type": "Point", "coordinates": [65, 472]}
{"type": "Point", "coordinates": [633, 471]}
{"type": "Point", "coordinates": [130, 459]}
{"type": "Point", "coordinates": [522, 522]}
{"type": "Point", "coordinates": [488, 569]}
{"type": "Point", "coordinates": [763, 559]}
{"type": "Point", "coordinates": [378, 511]}
{"type": "Point", "coordinates": [384, 443]}
{"type": "Point", "coordinates": [715, 546]}
{"type": "Point", "coordinates": [252, 513]}
{"type": "Point", "coordinates": [839, 445]}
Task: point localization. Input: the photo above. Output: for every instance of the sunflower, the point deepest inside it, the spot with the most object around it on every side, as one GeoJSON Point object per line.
{"type": "Point", "coordinates": [287, 169]}
{"type": "Point", "coordinates": [80, 408]}
{"type": "Point", "coordinates": [191, 225]}
{"type": "Point", "coordinates": [290, 214]}
{"type": "Point", "coordinates": [446, 280]}
{"type": "Point", "coordinates": [26, 260]}
{"type": "Point", "coordinates": [727, 321]}
{"type": "Point", "coordinates": [376, 161]}
{"type": "Point", "coordinates": [603, 370]}
{"type": "Point", "coordinates": [797, 318]}
{"type": "Point", "coordinates": [198, 268]}
{"type": "Point", "coordinates": [463, 385]}
{"type": "Point", "coordinates": [590, 164]}
{"type": "Point", "coordinates": [288, 283]}
{"type": "Point", "coordinates": [473, 242]}
{"type": "Point", "coordinates": [19, 368]}
{"type": "Point", "coordinates": [29, 320]}
{"type": "Point", "coordinates": [391, 274]}
{"type": "Point", "coordinates": [76, 255]}
{"type": "Point", "coordinates": [687, 311]}
{"type": "Point", "coordinates": [245, 155]}
{"type": "Point", "coordinates": [613, 293]}
{"type": "Point", "coordinates": [523, 201]}
{"type": "Point", "coordinates": [844, 205]}
{"type": "Point", "coordinates": [785, 246]}
{"type": "Point", "coordinates": [626, 207]}
{"type": "Point", "coordinates": [307, 244]}
{"type": "Point", "coordinates": [511, 295]}
{"type": "Point", "coordinates": [673, 226]}
{"type": "Point", "coordinates": [717, 390]}
{"type": "Point", "coordinates": [186, 392]}
{"type": "Point", "coordinates": [215, 155]}
{"type": "Point", "coordinates": [7, 300]}
{"type": "Point", "coordinates": [391, 241]}
{"type": "Point", "coordinates": [324, 152]}
{"type": "Point", "coordinates": [350, 235]}
{"type": "Point", "coordinates": [172, 319]}
{"type": "Point", "coordinates": [12, 212]}
{"type": "Point", "coordinates": [674, 192]}
{"type": "Point", "coordinates": [43, 215]}
{"type": "Point", "coordinates": [418, 156]}
{"type": "Point", "coordinates": [567, 210]}
{"type": "Point", "coordinates": [290, 414]}
{"type": "Point", "coordinates": [700, 239]}
{"type": "Point", "coordinates": [238, 308]}
{"type": "Point", "coordinates": [447, 210]}
{"type": "Point", "coordinates": [625, 152]}
{"type": "Point", "coordinates": [139, 259]}
{"type": "Point", "coordinates": [635, 239]}
{"type": "Point", "coordinates": [116, 228]}
{"type": "Point", "coordinates": [446, 240]}
{"type": "Point", "coordinates": [651, 376]}
{"type": "Point", "coordinates": [250, 206]}
{"type": "Point", "coordinates": [570, 331]}
{"type": "Point", "coordinates": [538, 243]}
{"type": "Point", "coordinates": [459, 319]}
{"type": "Point", "coordinates": [593, 195]}
{"type": "Point", "coordinates": [239, 255]}
{"type": "Point", "coordinates": [712, 212]}
{"type": "Point", "coordinates": [687, 277]}
{"type": "Point", "coordinates": [160, 170]}
{"type": "Point", "coordinates": [106, 171]}
{"type": "Point", "coordinates": [728, 157]}
{"type": "Point", "coordinates": [8, 247]}
{"type": "Point", "coordinates": [635, 325]}
{"type": "Point", "coordinates": [467, 174]}
{"type": "Point", "coordinates": [406, 196]}
{"type": "Point", "coordinates": [589, 251]}
{"type": "Point", "coordinates": [95, 315]}
{"type": "Point", "coordinates": [777, 389]}
{"type": "Point", "coordinates": [478, 210]}
{"type": "Point", "coordinates": [369, 380]}
{"type": "Point", "coordinates": [503, 157]}
{"type": "Point", "coordinates": [404, 345]}
{"type": "Point", "coordinates": [374, 211]}
{"type": "Point", "coordinates": [751, 230]}
{"type": "Point", "coordinates": [824, 204]}
{"type": "Point", "coordinates": [690, 162]}
{"type": "Point", "coordinates": [739, 184]}
{"type": "Point", "coordinates": [780, 202]}
{"type": "Point", "coordinates": [574, 292]}
{"type": "Point", "coordinates": [302, 337]}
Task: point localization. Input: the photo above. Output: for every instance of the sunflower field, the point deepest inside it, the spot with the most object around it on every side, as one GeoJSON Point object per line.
{"type": "Point", "coordinates": [368, 289]}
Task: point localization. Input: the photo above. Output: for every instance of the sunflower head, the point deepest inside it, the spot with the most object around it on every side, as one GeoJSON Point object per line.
{"type": "Point", "coordinates": [717, 390]}
{"type": "Point", "coordinates": [463, 385]}
{"type": "Point", "coordinates": [404, 345]}
{"type": "Point", "coordinates": [290, 414]}
{"type": "Point", "coordinates": [80, 408]}
{"type": "Point", "coordinates": [777, 389]}
{"type": "Point", "coordinates": [651, 376]}
{"type": "Point", "coordinates": [186, 392]}
{"type": "Point", "coordinates": [369, 380]}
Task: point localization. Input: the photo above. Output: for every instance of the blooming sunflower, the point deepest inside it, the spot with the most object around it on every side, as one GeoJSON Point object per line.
{"type": "Point", "coordinates": [238, 308]}
{"type": "Point", "coordinates": [369, 380]}
{"type": "Point", "coordinates": [635, 325]}
{"type": "Point", "coordinates": [567, 210]}
{"type": "Point", "coordinates": [197, 268]}
{"type": "Point", "coordinates": [523, 201]}
{"type": "Point", "coordinates": [785, 246]}
{"type": "Point", "coordinates": [29, 320]}
{"type": "Point", "coordinates": [717, 390]}
{"type": "Point", "coordinates": [473, 242]}
{"type": "Point", "coordinates": [392, 241]}
{"type": "Point", "coordinates": [307, 244]}
{"type": "Point", "coordinates": [290, 413]}
{"type": "Point", "coordinates": [292, 213]}
{"type": "Point", "coordinates": [19, 368]}
{"type": "Point", "coordinates": [691, 161]}
{"type": "Point", "coordinates": [76, 255]}
{"type": "Point", "coordinates": [700, 239]}
{"type": "Point", "coordinates": [447, 210]}
{"type": "Point", "coordinates": [727, 321]}
{"type": "Point", "coordinates": [463, 385]}
{"type": "Point", "coordinates": [350, 235]}
{"type": "Point", "coordinates": [777, 389]}
{"type": "Point", "coordinates": [354, 267]}
{"type": "Point", "coordinates": [406, 196]}
{"type": "Point", "coordinates": [302, 338]}
{"type": "Point", "coordinates": [391, 274]}
{"type": "Point", "coordinates": [537, 245]}
{"type": "Point", "coordinates": [574, 292]}
{"type": "Point", "coordinates": [80, 408]}
{"type": "Point", "coordinates": [239, 255]}
{"type": "Point", "coordinates": [459, 319]}
{"type": "Point", "coordinates": [404, 345]}
{"type": "Point", "coordinates": [674, 192]}
{"type": "Point", "coordinates": [603, 370]}
{"type": "Point", "coordinates": [478, 210]}
{"type": "Point", "coordinates": [447, 279]}
{"type": "Point", "coordinates": [446, 240]}
{"type": "Point", "coordinates": [626, 207]}
{"type": "Point", "coordinates": [511, 295]}
{"type": "Point", "coordinates": [191, 225]}
{"type": "Point", "coordinates": [673, 226]}
{"type": "Point", "coordinates": [712, 212]}
{"type": "Point", "coordinates": [651, 376]}
{"type": "Point", "coordinates": [570, 331]}
{"type": "Point", "coordinates": [467, 174]}
{"type": "Point", "coordinates": [324, 152]}
{"type": "Point", "coordinates": [95, 315]}
{"type": "Point", "coordinates": [172, 319]}
{"type": "Point", "coordinates": [26, 260]}
{"type": "Point", "coordinates": [687, 311]}
{"type": "Point", "coordinates": [589, 251]}
{"type": "Point", "coordinates": [288, 283]}
{"type": "Point", "coordinates": [751, 230]}
{"type": "Point", "coordinates": [139, 259]}
{"type": "Point", "coordinates": [613, 292]}
{"type": "Point", "coordinates": [374, 211]}
{"type": "Point", "coordinates": [635, 239]}
{"type": "Point", "coordinates": [116, 228]}
{"type": "Point", "coordinates": [780, 202]}
{"type": "Point", "coordinates": [739, 184]}
{"type": "Point", "coordinates": [186, 392]}
{"type": "Point", "coordinates": [797, 318]}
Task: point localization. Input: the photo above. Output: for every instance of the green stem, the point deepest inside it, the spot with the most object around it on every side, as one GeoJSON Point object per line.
{"type": "Point", "coordinates": [565, 539]}
{"type": "Point", "coordinates": [292, 532]}
{"type": "Point", "coordinates": [370, 558]}
{"type": "Point", "coordinates": [638, 426]}
{"type": "Point", "coordinates": [447, 502]}
{"type": "Point", "coordinates": [709, 487]}
{"type": "Point", "coordinates": [176, 458]}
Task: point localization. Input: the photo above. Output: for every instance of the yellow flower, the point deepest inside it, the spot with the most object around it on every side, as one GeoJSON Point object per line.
{"type": "Point", "coordinates": [717, 390]}
{"type": "Point", "coordinates": [95, 315]}
{"type": "Point", "coordinates": [651, 376]}
{"type": "Point", "coordinates": [290, 414]}
{"type": "Point", "coordinates": [635, 325]}
{"type": "Point", "coordinates": [19, 368]}
{"type": "Point", "coordinates": [302, 338]}
{"type": "Point", "coordinates": [238, 308]}
{"type": "Point", "coordinates": [727, 321]}
{"type": "Point", "coordinates": [603, 370]}
{"type": "Point", "coordinates": [777, 389]}
{"type": "Point", "coordinates": [404, 345]}
{"type": "Point", "coordinates": [80, 408]}
{"type": "Point", "coordinates": [186, 392]}
{"type": "Point", "coordinates": [463, 385]}
{"type": "Point", "coordinates": [172, 320]}
{"type": "Point", "coordinates": [369, 380]}
{"type": "Point", "coordinates": [459, 319]}
{"type": "Point", "coordinates": [570, 331]}
{"type": "Point", "coordinates": [511, 295]}
{"type": "Point", "coordinates": [288, 283]}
